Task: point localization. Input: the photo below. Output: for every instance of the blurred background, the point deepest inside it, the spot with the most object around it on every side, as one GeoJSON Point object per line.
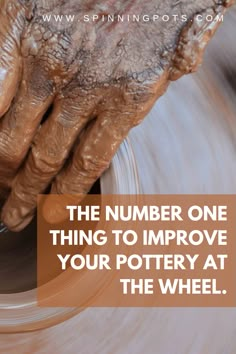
{"type": "Point", "coordinates": [187, 144]}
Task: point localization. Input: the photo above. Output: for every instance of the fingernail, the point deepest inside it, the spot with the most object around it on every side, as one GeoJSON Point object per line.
{"type": "Point", "coordinates": [54, 212]}
{"type": "Point", "coordinates": [14, 222]}
{"type": "Point", "coordinates": [14, 216]}
{"type": "Point", "coordinates": [10, 216]}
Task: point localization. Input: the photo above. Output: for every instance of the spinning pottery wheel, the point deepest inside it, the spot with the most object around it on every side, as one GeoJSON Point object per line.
{"type": "Point", "coordinates": [187, 144]}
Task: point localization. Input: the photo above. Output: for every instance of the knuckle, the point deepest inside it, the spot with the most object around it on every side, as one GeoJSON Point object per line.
{"type": "Point", "coordinates": [10, 155]}
{"type": "Point", "coordinates": [147, 89]}
{"type": "Point", "coordinates": [139, 99]}
{"type": "Point", "coordinates": [44, 163]}
{"type": "Point", "coordinates": [89, 163]}
{"type": "Point", "coordinates": [60, 186]}
{"type": "Point", "coordinates": [50, 49]}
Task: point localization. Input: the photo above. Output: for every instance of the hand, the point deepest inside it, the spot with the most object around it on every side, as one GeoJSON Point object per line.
{"type": "Point", "coordinates": [95, 80]}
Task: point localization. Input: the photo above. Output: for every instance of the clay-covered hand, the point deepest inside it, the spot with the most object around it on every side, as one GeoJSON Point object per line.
{"type": "Point", "coordinates": [98, 78]}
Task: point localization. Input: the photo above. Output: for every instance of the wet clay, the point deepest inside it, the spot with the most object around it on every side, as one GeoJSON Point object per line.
{"type": "Point", "coordinates": [183, 146]}
{"type": "Point", "coordinates": [101, 78]}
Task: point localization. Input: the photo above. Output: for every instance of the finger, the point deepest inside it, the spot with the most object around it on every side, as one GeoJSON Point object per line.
{"type": "Point", "coordinates": [49, 151]}
{"type": "Point", "coordinates": [91, 158]}
{"type": "Point", "coordinates": [19, 126]}
{"type": "Point", "coordinates": [193, 42]}
{"type": "Point", "coordinates": [10, 70]}
{"type": "Point", "coordinates": [12, 24]}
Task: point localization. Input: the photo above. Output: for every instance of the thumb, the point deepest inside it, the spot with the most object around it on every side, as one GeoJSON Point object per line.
{"type": "Point", "coordinates": [13, 20]}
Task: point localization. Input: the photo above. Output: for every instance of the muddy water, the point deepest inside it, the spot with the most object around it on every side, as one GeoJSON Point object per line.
{"type": "Point", "coordinates": [186, 145]}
